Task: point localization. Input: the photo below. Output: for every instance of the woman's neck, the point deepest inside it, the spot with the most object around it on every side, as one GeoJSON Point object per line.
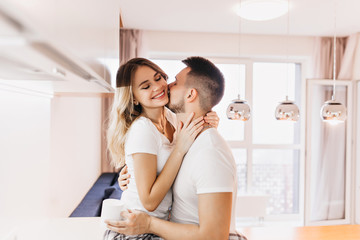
{"type": "Point", "coordinates": [158, 118]}
{"type": "Point", "coordinates": [155, 115]}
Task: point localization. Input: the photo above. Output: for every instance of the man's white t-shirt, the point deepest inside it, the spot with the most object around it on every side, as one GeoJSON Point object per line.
{"type": "Point", "coordinates": [143, 137]}
{"type": "Point", "coordinates": [208, 167]}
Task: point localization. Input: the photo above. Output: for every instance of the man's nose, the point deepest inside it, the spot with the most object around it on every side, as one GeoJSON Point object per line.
{"type": "Point", "coordinates": [170, 85]}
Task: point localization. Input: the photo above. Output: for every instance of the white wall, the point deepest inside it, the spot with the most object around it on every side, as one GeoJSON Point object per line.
{"type": "Point", "coordinates": [24, 154]}
{"type": "Point", "coordinates": [50, 153]}
{"type": "Point", "coordinates": [185, 44]}
{"type": "Point", "coordinates": [179, 45]}
{"type": "Point", "coordinates": [75, 150]}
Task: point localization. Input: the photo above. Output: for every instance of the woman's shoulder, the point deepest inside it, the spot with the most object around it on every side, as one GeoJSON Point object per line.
{"type": "Point", "coordinates": [141, 128]}
{"type": "Point", "coordinates": [140, 123]}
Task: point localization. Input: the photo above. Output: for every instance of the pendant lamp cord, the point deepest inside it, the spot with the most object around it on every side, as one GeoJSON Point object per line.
{"type": "Point", "coordinates": [287, 50]}
{"type": "Point", "coordinates": [239, 48]}
{"type": "Point", "coordinates": [334, 62]}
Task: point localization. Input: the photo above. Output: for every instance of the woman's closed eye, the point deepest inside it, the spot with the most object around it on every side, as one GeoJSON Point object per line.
{"type": "Point", "coordinates": [158, 78]}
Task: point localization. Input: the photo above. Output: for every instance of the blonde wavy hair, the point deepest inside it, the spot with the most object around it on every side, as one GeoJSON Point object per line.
{"type": "Point", "coordinates": [124, 111]}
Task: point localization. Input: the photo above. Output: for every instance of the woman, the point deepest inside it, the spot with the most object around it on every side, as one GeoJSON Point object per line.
{"type": "Point", "coordinates": [141, 134]}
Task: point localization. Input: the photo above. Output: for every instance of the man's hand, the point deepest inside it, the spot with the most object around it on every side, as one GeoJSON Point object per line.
{"type": "Point", "coordinates": [137, 222]}
{"type": "Point", "coordinates": [123, 179]}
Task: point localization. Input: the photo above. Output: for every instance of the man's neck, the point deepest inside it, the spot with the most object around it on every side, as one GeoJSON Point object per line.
{"type": "Point", "coordinates": [183, 116]}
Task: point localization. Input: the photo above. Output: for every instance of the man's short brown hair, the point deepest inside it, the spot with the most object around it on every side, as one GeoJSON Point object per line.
{"type": "Point", "coordinates": [207, 79]}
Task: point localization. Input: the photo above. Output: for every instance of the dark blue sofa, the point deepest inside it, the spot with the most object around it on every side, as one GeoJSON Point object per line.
{"type": "Point", "coordinates": [106, 186]}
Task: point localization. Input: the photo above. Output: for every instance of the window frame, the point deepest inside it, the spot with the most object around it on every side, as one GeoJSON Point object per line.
{"type": "Point", "coordinates": [247, 142]}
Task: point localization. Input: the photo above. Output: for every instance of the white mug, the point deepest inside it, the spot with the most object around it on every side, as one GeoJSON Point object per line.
{"type": "Point", "coordinates": [111, 209]}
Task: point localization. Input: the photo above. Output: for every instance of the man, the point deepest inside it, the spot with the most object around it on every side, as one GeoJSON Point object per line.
{"type": "Point", "coordinates": [205, 190]}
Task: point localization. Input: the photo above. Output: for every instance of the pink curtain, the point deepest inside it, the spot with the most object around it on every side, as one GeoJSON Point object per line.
{"type": "Point", "coordinates": [351, 59]}
{"type": "Point", "coordinates": [347, 58]}
{"type": "Point", "coordinates": [106, 103]}
{"type": "Point", "coordinates": [324, 55]}
{"type": "Point", "coordinates": [131, 44]}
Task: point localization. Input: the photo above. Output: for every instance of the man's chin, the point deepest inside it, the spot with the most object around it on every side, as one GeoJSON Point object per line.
{"type": "Point", "coordinates": [175, 109]}
{"type": "Point", "coordinates": [170, 107]}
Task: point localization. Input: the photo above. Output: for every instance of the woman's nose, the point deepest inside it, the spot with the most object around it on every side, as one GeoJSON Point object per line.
{"type": "Point", "coordinates": [157, 85]}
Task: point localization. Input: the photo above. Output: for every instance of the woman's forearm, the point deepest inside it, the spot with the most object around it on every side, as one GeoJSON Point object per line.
{"type": "Point", "coordinates": [163, 182]}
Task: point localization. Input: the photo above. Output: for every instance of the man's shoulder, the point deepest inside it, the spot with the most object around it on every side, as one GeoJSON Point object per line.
{"type": "Point", "coordinates": [211, 140]}
{"type": "Point", "coordinates": [210, 144]}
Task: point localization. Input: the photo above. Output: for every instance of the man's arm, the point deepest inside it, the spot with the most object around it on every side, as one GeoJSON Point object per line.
{"type": "Point", "coordinates": [214, 221]}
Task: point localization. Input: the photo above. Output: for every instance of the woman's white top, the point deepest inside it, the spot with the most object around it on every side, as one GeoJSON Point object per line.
{"type": "Point", "coordinates": [144, 137]}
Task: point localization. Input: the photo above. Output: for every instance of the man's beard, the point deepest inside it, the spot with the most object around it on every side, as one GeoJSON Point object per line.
{"type": "Point", "coordinates": [177, 107]}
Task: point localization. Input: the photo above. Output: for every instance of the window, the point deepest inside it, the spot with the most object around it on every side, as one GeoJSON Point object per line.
{"type": "Point", "coordinates": [234, 75]}
{"type": "Point", "coordinates": [275, 144]}
{"type": "Point", "coordinates": [266, 151]}
{"type": "Point", "coordinates": [269, 88]}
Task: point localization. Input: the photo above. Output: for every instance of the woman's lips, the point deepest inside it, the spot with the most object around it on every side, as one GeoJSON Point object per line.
{"type": "Point", "coordinates": [160, 95]}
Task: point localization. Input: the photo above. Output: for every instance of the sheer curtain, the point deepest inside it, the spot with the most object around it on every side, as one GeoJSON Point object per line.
{"type": "Point", "coordinates": [328, 142]}
{"type": "Point", "coordinates": [328, 160]}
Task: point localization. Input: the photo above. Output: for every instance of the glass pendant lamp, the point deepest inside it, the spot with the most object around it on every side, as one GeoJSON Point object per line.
{"type": "Point", "coordinates": [238, 109]}
{"type": "Point", "coordinates": [287, 110]}
{"type": "Point", "coordinates": [332, 110]}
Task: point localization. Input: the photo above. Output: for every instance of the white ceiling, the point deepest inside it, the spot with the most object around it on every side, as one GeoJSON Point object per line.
{"type": "Point", "coordinates": [307, 17]}
{"type": "Point", "coordinates": [87, 27]}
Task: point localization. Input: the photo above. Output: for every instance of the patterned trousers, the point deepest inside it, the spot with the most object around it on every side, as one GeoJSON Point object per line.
{"type": "Point", "coordinates": [111, 235]}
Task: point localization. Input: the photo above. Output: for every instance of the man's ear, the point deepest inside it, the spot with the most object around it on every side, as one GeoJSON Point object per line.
{"type": "Point", "coordinates": [191, 95]}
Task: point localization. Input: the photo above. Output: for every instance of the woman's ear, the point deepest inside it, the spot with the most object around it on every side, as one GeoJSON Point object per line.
{"type": "Point", "coordinates": [191, 95]}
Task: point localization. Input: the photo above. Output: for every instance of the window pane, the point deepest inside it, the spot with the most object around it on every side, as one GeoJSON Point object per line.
{"type": "Point", "coordinates": [276, 173]}
{"type": "Point", "coordinates": [269, 88]}
{"type": "Point", "coordinates": [234, 75]}
{"type": "Point", "coordinates": [241, 167]}
{"type": "Point", "coordinates": [170, 67]}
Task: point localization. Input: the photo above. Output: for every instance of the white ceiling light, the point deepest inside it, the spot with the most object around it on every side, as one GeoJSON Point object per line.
{"type": "Point", "coordinates": [262, 10]}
